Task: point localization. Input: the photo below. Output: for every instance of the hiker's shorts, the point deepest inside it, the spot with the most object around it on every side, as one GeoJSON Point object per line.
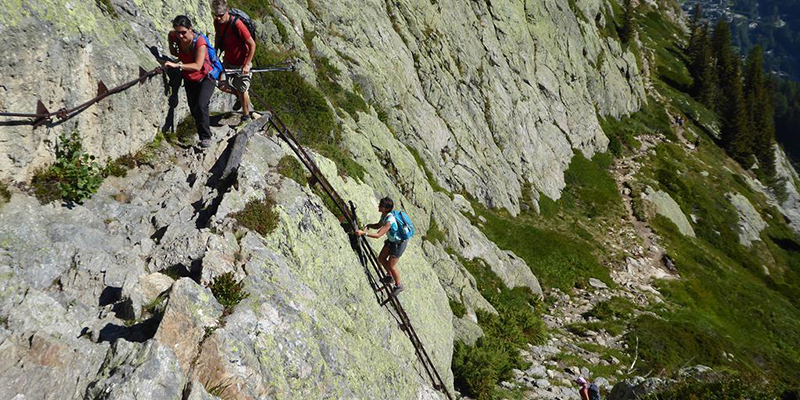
{"type": "Point", "coordinates": [237, 82]}
{"type": "Point", "coordinates": [396, 249]}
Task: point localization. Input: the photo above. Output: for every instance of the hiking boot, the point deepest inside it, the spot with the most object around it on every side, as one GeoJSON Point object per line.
{"type": "Point", "coordinates": [237, 104]}
{"type": "Point", "coordinates": [246, 118]}
{"type": "Point", "coordinates": [398, 289]}
{"type": "Point", "coordinates": [387, 279]}
{"type": "Point", "coordinates": [205, 143]}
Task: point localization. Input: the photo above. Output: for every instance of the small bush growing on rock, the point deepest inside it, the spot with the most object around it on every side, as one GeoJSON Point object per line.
{"type": "Point", "coordinates": [227, 291]}
{"type": "Point", "coordinates": [5, 195]}
{"type": "Point", "coordinates": [458, 309]}
{"type": "Point", "coordinates": [258, 215]}
{"type": "Point", "coordinates": [74, 176]}
{"type": "Point", "coordinates": [289, 167]}
{"type": "Point", "coordinates": [107, 7]}
{"type": "Point", "coordinates": [184, 133]}
{"type": "Point", "coordinates": [613, 308]}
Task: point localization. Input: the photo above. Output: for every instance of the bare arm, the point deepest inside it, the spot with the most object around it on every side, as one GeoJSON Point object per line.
{"type": "Point", "coordinates": [251, 52]}
{"type": "Point", "coordinates": [199, 60]}
{"type": "Point", "coordinates": [382, 231]}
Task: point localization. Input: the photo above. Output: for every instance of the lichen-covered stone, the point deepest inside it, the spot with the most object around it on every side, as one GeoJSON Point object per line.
{"type": "Point", "coordinates": [750, 222]}
{"type": "Point", "coordinates": [667, 207]}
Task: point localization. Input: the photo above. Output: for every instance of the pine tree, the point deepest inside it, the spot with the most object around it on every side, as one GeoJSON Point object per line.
{"type": "Point", "coordinates": [725, 63]}
{"type": "Point", "coordinates": [626, 33]}
{"type": "Point", "coordinates": [734, 121]}
{"type": "Point", "coordinates": [730, 102]}
{"type": "Point", "coordinates": [758, 95]}
{"type": "Point", "coordinates": [695, 26]}
{"type": "Point", "coordinates": [702, 68]}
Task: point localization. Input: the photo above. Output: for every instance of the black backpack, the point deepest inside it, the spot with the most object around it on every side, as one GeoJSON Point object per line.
{"type": "Point", "coordinates": [236, 14]}
{"type": "Point", "coordinates": [594, 392]}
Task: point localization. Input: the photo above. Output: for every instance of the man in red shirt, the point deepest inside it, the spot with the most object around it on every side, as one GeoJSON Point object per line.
{"type": "Point", "coordinates": [233, 38]}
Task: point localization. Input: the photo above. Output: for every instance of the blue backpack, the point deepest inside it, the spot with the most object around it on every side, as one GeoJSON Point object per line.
{"type": "Point", "coordinates": [594, 392]}
{"type": "Point", "coordinates": [405, 229]}
{"type": "Point", "coordinates": [216, 65]}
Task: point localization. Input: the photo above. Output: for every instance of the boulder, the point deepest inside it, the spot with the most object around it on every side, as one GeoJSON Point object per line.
{"type": "Point", "coordinates": [667, 207]}
{"type": "Point", "coordinates": [190, 313]}
{"type": "Point", "coordinates": [750, 222]}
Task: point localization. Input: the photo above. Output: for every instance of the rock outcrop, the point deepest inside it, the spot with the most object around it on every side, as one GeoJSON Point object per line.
{"type": "Point", "coordinates": [109, 299]}
{"type": "Point", "coordinates": [750, 222]}
{"type": "Point", "coordinates": [667, 207]}
{"type": "Point", "coordinates": [311, 327]}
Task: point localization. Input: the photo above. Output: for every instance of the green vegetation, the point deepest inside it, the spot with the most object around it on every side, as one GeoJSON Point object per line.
{"type": "Point", "coordinates": [184, 133]}
{"type": "Point", "coordinates": [561, 245]}
{"type": "Point", "coordinates": [107, 7]}
{"type": "Point", "coordinates": [718, 386]}
{"type": "Point", "coordinates": [304, 110]}
{"type": "Point", "coordinates": [259, 216]}
{"type": "Point", "coordinates": [289, 167]}
{"type": "Point", "coordinates": [477, 369]}
{"type": "Point", "coordinates": [431, 180]}
{"type": "Point", "coordinates": [74, 177]}
{"type": "Point", "coordinates": [615, 308]}
{"type": "Point", "coordinates": [5, 195]}
{"type": "Point", "coordinates": [434, 234]}
{"type": "Point", "coordinates": [458, 309]}
{"type": "Point", "coordinates": [228, 292]}
{"type": "Point", "coordinates": [149, 153]}
{"type": "Point", "coordinates": [327, 73]}
{"type": "Point", "coordinates": [651, 119]}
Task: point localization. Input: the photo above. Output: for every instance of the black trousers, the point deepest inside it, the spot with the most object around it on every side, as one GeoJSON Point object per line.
{"type": "Point", "coordinates": [198, 95]}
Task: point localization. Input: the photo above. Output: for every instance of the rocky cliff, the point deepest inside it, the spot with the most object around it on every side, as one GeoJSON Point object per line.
{"type": "Point", "coordinates": [468, 105]}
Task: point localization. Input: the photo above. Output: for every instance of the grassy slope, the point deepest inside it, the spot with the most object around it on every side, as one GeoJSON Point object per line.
{"type": "Point", "coordinates": [724, 301]}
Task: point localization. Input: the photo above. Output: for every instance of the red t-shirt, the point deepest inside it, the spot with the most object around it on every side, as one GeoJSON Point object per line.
{"type": "Point", "coordinates": [234, 41]}
{"type": "Point", "coordinates": [191, 56]}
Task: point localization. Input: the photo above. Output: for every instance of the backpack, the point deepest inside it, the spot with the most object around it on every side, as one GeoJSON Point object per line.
{"type": "Point", "coordinates": [235, 15]}
{"type": "Point", "coordinates": [216, 65]}
{"type": "Point", "coordinates": [405, 229]}
{"type": "Point", "coordinates": [594, 392]}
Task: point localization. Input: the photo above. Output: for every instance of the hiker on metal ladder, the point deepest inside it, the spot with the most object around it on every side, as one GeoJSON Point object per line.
{"type": "Point", "coordinates": [198, 70]}
{"type": "Point", "coordinates": [398, 228]}
{"type": "Point", "coordinates": [234, 37]}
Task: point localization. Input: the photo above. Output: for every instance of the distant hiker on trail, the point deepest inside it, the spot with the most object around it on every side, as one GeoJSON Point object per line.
{"type": "Point", "coordinates": [587, 391]}
{"type": "Point", "coordinates": [398, 233]}
{"type": "Point", "coordinates": [192, 51]}
{"type": "Point", "coordinates": [233, 37]}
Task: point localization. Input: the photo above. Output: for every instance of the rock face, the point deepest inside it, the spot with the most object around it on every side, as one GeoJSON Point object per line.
{"type": "Point", "coordinates": [311, 327]}
{"type": "Point", "coordinates": [495, 97]}
{"type": "Point", "coordinates": [750, 222]}
{"type": "Point", "coordinates": [790, 204]}
{"type": "Point", "coordinates": [667, 207]}
{"type": "Point", "coordinates": [59, 50]}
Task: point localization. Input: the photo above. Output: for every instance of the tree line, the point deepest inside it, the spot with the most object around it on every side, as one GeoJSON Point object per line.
{"type": "Point", "coordinates": [737, 90]}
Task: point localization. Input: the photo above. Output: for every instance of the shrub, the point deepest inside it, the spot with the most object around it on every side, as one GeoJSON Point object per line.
{"type": "Point", "coordinates": [184, 133]}
{"type": "Point", "coordinates": [718, 386]}
{"type": "Point", "coordinates": [227, 291]}
{"type": "Point", "coordinates": [434, 234]}
{"type": "Point", "coordinates": [107, 7]}
{"type": "Point", "coordinates": [5, 195]}
{"type": "Point", "coordinates": [74, 176]}
{"type": "Point", "coordinates": [289, 167]}
{"type": "Point", "coordinates": [119, 167]}
{"type": "Point", "coordinates": [458, 309]}
{"type": "Point", "coordinates": [612, 309]}
{"type": "Point", "coordinates": [477, 369]}
{"type": "Point", "coordinates": [304, 110]}
{"type": "Point", "coordinates": [259, 216]}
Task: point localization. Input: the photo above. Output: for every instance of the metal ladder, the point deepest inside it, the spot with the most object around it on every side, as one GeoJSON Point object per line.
{"type": "Point", "coordinates": [366, 255]}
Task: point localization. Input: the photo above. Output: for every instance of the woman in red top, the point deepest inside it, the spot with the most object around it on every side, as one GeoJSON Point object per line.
{"type": "Point", "coordinates": [192, 51]}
